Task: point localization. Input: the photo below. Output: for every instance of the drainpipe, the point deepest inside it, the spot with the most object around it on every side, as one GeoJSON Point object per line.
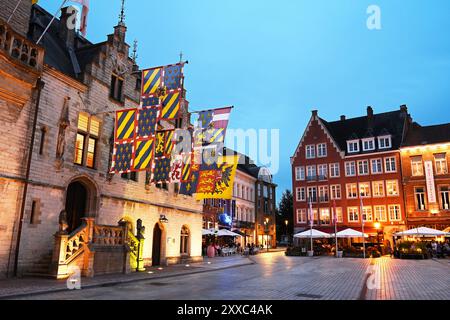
{"type": "Point", "coordinates": [39, 86]}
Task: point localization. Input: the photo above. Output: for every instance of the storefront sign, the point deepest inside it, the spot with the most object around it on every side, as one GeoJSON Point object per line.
{"type": "Point", "coordinates": [430, 182]}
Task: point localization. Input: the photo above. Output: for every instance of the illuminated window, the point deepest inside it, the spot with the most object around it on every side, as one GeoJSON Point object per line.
{"type": "Point", "coordinates": [440, 161]}
{"type": "Point", "coordinates": [353, 215]}
{"type": "Point", "coordinates": [395, 213]}
{"type": "Point", "coordinates": [184, 241]}
{"type": "Point", "coordinates": [417, 166]}
{"type": "Point", "coordinates": [86, 140]}
{"type": "Point", "coordinates": [339, 215]}
{"type": "Point", "coordinates": [419, 194]}
{"type": "Point", "coordinates": [367, 214]}
{"type": "Point", "coordinates": [364, 189]}
{"type": "Point", "coordinates": [378, 188]}
{"type": "Point", "coordinates": [444, 197]}
{"type": "Point", "coordinates": [380, 213]}
{"type": "Point", "coordinates": [392, 188]}
{"type": "Point", "coordinates": [325, 217]}
{"type": "Point", "coordinates": [352, 191]}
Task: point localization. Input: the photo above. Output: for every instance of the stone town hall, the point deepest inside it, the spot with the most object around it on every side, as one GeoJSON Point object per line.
{"type": "Point", "coordinates": [56, 128]}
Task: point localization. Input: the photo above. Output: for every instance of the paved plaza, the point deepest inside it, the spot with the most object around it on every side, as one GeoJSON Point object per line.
{"type": "Point", "coordinates": [276, 277]}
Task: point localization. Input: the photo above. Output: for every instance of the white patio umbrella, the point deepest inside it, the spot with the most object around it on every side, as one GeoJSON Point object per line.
{"type": "Point", "coordinates": [421, 232]}
{"type": "Point", "coordinates": [208, 232]}
{"type": "Point", "coordinates": [350, 233]}
{"type": "Point", "coordinates": [315, 234]}
{"type": "Point", "coordinates": [227, 233]}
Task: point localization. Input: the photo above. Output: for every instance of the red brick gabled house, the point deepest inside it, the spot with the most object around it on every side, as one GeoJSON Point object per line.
{"type": "Point", "coordinates": [351, 166]}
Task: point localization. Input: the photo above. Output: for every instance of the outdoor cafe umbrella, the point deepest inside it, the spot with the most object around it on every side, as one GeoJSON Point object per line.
{"type": "Point", "coordinates": [208, 232]}
{"type": "Point", "coordinates": [227, 233]}
{"type": "Point", "coordinates": [315, 234]}
{"type": "Point", "coordinates": [350, 233]}
{"type": "Point", "coordinates": [421, 232]}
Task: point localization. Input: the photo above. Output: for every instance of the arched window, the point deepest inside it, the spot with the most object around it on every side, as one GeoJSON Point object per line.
{"type": "Point", "coordinates": [184, 241]}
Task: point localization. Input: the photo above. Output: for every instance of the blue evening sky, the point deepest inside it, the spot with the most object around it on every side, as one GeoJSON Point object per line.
{"type": "Point", "coordinates": [275, 61]}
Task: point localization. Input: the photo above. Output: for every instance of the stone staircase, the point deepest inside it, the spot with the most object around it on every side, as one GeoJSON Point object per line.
{"type": "Point", "coordinates": [41, 268]}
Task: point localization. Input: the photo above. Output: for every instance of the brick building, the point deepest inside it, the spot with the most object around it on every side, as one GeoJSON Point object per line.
{"type": "Point", "coordinates": [254, 196]}
{"type": "Point", "coordinates": [72, 87]}
{"type": "Point", "coordinates": [425, 154]}
{"type": "Point", "coordinates": [352, 166]}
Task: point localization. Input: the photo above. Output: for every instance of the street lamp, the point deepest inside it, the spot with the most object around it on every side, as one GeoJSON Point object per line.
{"type": "Point", "coordinates": [378, 227]}
{"type": "Point", "coordinates": [287, 235]}
{"type": "Point", "coordinates": [266, 227]}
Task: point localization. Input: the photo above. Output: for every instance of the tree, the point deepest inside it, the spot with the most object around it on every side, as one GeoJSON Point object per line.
{"type": "Point", "coordinates": [285, 213]}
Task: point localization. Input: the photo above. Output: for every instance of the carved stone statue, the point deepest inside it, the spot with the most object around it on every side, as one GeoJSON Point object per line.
{"type": "Point", "coordinates": [63, 124]}
{"type": "Point", "coordinates": [63, 223]}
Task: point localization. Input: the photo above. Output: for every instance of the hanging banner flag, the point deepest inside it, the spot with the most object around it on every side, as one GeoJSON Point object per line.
{"type": "Point", "coordinates": [216, 181]}
{"type": "Point", "coordinates": [84, 14]}
{"type": "Point", "coordinates": [125, 127]}
{"type": "Point", "coordinates": [163, 86]}
{"type": "Point", "coordinates": [211, 126]}
{"type": "Point", "coordinates": [123, 155]}
{"type": "Point", "coordinates": [144, 155]}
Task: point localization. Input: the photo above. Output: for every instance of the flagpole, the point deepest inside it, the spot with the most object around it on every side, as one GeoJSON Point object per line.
{"type": "Point", "coordinates": [362, 219]}
{"type": "Point", "coordinates": [51, 21]}
{"type": "Point", "coordinates": [335, 227]}
{"type": "Point", "coordinates": [14, 11]}
{"type": "Point", "coordinates": [311, 221]}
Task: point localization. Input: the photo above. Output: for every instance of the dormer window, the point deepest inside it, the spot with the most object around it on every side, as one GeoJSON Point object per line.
{"type": "Point", "coordinates": [368, 144]}
{"type": "Point", "coordinates": [385, 142]}
{"type": "Point", "coordinates": [353, 146]}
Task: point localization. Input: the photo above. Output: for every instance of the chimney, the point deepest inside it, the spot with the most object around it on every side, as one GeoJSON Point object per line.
{"type": "Point", "coordinates": [67, 25]}
{"type": "Point", "coordinates": [370, 117]}
{"type": "Point", "coordinates": [343, 118]}
{"type": "Point", "coordinates": [314, 113]}
{"type": "Point", "coordinates": [404, 108]}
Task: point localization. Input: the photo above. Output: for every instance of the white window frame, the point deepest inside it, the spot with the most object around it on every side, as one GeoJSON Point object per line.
{"type": "Point", "coordinates": [308, 193]}
{"type": "Point", "coordinates": [339, 215]}
{"type": "Point", "coordinates": [351, 211]}
{"type": "Point", "coordinates": [298, 192]}
{"type": "Point", "coordinates": [367, 184]}
{"type": "Point", "coordinates": [443, 164]}
{"type": "Point", "coordinates": [319, 150]}
{"type": "Point", "coordinates": [324, 190]}
{"type": "Point", "coordinates": [367, 140]}
{"type": "Point", "coordinates": [359, 167]}
{"type": "Point", "coordinates": [302, 213]}
{"type": "Point", "coordinates": [300, 173]}
{"type": "Point", "coordinates": [310, 151]}
{"type": "Point", "coordinates": [335, 168]}
{"type": "Point", "coordinates": [320, 168]}
{"type": "Point", "coordinates": [376, 162]}
{"type": "Point", "coordinates": [329, 216]}
{"type": "Point", "coordinates": [384, 138]}
{"type": "Point", "coordinates": [396, 186]}
{"type": "Point", "coordinates": [334, 189]}
{"type": "Point", "coordinates": [399, 212]}
{"type": "Point", "coordinates": [369, 214]}
{"type": "Point", "coordinates": [309, 177]}
{"type": "Point", "coordinates": [375, 188]}
{"type": "Point", "coordinates": [424, 199]}
{"type": "Point", "coordinates": [352, 143]}
{"type": "Point", "coordinates": [347, 189]}
{"type": "Point", "coordinates": [377, 216]}
{"type": "Point", "coordinates": [387, 161]}
{"type": "Point", "coordinates": [350, 164]}
{"type": "Point", "coordinates": [415, 166]}
{"type": "Point", "coordinates": [444, 205]}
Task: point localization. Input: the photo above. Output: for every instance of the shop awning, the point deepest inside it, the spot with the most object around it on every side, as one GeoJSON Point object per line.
{"type": "Point", "coordinates": [421, 232]}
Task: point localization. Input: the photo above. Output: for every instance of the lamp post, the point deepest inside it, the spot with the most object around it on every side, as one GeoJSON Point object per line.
{"type": "Point", "coordinates": [378, 227]}
{"type": "Point", "coordinates": [266, 229]}
{"type": "Point", "coordinates": [287, 235]}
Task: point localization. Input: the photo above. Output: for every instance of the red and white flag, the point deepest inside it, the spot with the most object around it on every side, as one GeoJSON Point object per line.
{"type": "Point", "coordinates": [311, 215]}
{"type": "Point", "coordinates": [84, 14]}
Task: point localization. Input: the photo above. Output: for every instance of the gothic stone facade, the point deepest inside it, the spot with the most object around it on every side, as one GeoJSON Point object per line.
{"type": "Point", "coordinates": [75, 104]}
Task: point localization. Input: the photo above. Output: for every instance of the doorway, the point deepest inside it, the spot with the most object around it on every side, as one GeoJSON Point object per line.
{"type": "Point", "coordinates": [76, 204]}
{"type": "Point", "coordinates": [156, 251]}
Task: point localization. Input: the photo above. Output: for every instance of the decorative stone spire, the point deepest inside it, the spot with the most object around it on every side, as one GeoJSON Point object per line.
{"type": "Point", "coordinates": [135, 56]}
